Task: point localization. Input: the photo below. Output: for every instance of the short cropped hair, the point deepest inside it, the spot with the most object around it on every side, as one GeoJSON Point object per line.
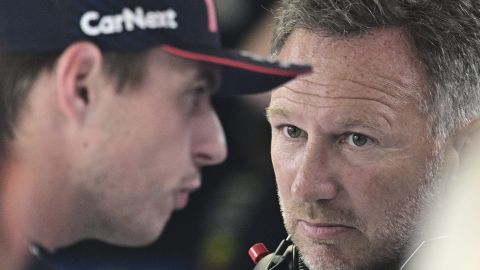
{"type": "Point", "coordinates": [19, 71]}
{"type": "Point", "coordinates": [445, 35]}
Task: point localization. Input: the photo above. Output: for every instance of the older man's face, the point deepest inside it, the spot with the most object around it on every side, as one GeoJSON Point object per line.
{"type": "Point", "coordinates": [350, 148]}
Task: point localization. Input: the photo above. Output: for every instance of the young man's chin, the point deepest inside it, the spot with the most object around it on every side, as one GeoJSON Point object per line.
{"type": "Point", "coordinates": [136, 236]}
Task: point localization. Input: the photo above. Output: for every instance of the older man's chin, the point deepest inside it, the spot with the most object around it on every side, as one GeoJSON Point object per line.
{"type": "Point", "coordinates": [322, 255]}
{"type": "Point", "coordinates": [347, 254]}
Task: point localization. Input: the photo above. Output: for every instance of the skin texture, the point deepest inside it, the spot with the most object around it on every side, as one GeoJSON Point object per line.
{"type": "Point", "coordinates": [113, 166]}
{"type": "Point", "coordinates": [12, 252]}
{"type": "Point", "coordinates": [350, 148]}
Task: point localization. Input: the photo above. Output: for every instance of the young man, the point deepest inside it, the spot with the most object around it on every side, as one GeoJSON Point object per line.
{"type": "Point", "coordinates": [357, 145]}
{"type": "Point", "coordinates": [108, 115]}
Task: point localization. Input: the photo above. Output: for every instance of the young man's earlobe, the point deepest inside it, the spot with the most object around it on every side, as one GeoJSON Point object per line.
{"type": "Point", "coordinates": [76, 71]}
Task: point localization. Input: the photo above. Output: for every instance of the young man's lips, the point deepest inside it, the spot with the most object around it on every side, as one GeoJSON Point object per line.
{"type": "Point", "coordinates": [182, 195]}
{"type": "Point", "coordinates": [181, 198]}
{"type": "Point", "coordinates": [323, 230]}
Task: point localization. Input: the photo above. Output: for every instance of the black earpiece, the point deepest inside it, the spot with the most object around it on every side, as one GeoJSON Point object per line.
{"type": "Point", "coordinates": [285, 257]}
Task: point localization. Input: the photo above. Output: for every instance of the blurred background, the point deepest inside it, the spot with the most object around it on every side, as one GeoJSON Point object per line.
{"type": "Point", "coordinates": [237, 205]}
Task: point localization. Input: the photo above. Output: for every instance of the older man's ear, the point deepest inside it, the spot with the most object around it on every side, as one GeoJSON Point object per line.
{"type": "Point", "coordinates": [469, 145]}
{"type": "Point", "coordinates": [462, 149]}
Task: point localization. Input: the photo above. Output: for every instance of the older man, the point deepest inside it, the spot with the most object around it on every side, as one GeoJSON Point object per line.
{"type": "Point", "coordinates": [357, 145]}
{"type": "Point", "coordinates": [108, 115]}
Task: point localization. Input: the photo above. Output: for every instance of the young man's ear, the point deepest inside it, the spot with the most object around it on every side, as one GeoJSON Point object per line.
{"type": "Point", "coordinates": [76, 70]}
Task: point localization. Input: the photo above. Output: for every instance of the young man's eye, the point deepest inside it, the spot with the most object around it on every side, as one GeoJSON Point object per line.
{"type": "Point", "coordinates": [196, 96]}
{"type": "Point", "coordinates": [292, 132]}
{"type": "Point", "coordinates": [358, 140]}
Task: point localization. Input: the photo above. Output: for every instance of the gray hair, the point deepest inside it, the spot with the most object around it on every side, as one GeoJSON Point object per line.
{"type": "Point", "coordinates": [444, 33]}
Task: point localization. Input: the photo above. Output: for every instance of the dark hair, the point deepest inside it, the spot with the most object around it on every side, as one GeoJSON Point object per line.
{"type": "Point", "coordinates": [444, 33]}
{"type": "Point", "coordinates": [18, 72]}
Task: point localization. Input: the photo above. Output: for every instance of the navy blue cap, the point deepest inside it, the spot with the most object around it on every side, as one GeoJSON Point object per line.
{"type": "Point", "coordinates": [185, 28]}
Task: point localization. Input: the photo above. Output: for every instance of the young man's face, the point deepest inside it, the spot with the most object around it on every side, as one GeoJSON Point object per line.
{"type": "Point", "coordinates": [350, 149]}
{"type": "Point", "coordinates": [143, 155]}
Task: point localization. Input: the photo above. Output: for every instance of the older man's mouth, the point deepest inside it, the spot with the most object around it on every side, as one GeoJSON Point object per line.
{"type": "Point", "coordinates": [324, 231]}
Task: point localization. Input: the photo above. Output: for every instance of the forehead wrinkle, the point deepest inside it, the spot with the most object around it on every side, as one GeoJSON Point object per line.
{"type": "Point", "coordinates": [305, 103]}
{"type": "Point", "coordinates": [398, 97]}
{"type": "Point", "coordinates": [277, 110]}
{"type": "Point", "coordinates": [410, 90]}
{"type": "Point", "coordinates": [332, 85]}
{"type": "Point", "coordinates": [380, 89]}
{"type": "Point", "coordinates": [376, 100]}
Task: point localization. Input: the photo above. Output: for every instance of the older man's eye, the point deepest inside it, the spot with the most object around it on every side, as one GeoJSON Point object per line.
{"type": "Point", "coordinates": [358, 140]}
{"type": "Point", "coordinates": [292, 131]}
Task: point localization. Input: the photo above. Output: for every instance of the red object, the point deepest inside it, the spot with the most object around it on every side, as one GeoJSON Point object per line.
{"type": "Point", "coordinates": [257, 252]}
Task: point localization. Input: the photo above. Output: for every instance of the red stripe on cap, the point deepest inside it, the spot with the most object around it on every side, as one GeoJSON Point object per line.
{"type": "Point", "coordinates": [229, 62]}
{"type": "Point", "coordinates": [212, 16]}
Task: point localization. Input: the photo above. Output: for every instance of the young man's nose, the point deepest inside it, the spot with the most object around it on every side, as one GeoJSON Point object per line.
{"type": "Point", "coordinates": [208, 140]}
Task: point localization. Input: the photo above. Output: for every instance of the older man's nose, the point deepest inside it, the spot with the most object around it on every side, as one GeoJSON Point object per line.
{"type": "Point", "coordinates": [315, 179]}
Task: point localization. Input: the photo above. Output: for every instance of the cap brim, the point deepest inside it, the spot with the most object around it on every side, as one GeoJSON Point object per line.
{"type": "Point", "coordinates": [243, 73]}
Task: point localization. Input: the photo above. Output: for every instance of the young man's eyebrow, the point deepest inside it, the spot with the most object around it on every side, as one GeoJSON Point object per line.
{"type": "Point", "coordinates": [211, 76]}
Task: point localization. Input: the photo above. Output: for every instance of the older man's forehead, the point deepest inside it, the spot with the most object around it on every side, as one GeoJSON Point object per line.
{"type": "Point", "coordinates": [363, 84]}
{"type": "Point", "coordinates": [357, 66]}
{"type": "Point", "coordinates": [342, 94]}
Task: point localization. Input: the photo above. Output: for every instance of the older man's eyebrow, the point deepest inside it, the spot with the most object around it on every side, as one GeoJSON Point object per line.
{"type": "Point", "coordinates": [364, 123]}
{"type": "Point", "coordinates": [275, 111]}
